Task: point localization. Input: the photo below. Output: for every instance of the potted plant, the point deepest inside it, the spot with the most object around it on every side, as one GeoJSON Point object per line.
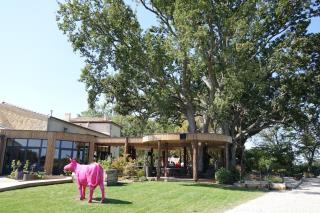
{"type": "Point", "coordinates": [148, 166]}
{"type": "Point", "coordinates": [27, 175]}
{"type": "Point", "coordinates": [19, 172]}
{"type": "Point", "coordinates": [14, 172]}
{"type": "Point", "coordinates": [111, 175]}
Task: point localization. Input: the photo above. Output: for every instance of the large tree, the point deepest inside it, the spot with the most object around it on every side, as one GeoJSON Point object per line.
{"type": "Point", "coordinates": [232, 63]}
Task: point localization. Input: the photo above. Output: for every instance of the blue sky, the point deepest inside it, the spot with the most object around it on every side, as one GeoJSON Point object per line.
{"type": "Point", "coordinates": [38, 68]}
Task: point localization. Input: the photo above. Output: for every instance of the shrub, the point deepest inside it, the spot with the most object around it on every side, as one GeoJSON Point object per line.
{"type": "Point", "coordinates": [125, 166]}
{"type": "Point", "coordinates": [13, 167]}
{"type": "Point", "coordinates": [26, 167]}
{"type": "Point", "coordinates": [275, 179]}
{"type": "Point", "coordinates": [106, 165]}
{"type": "Point", "coordinates": [140, 173]}
{"type": "Point", "coordinates": [225, 176]}
{"type": "Point", "coordinates": [119, 164]}
{"type": "Point", "coordinates": [130, 169]}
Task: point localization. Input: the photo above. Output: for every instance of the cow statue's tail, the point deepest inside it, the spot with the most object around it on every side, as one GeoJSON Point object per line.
{"type": "Point", "coordinates": [97, 175]}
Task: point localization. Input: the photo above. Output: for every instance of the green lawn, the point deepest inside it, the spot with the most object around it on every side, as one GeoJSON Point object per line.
{"type": "Point", "coordinates": [133, 197]}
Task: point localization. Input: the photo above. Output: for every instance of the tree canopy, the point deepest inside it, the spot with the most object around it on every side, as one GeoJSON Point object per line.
{"type": "Point", "coordinates": [240, 66]}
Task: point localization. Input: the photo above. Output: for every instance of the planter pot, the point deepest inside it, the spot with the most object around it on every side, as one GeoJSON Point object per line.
{"type": "Point", "coordinates": [256, 184]}
{"type": "Point", "coordinates": [148, 171]}
{"type": "Point", "coordinates": [111, 177]}
{"type": "Point", "coordinates": [278, 186]}
{"type": "Point", "coordinates": [27, 177]}
{"type": "Point", "coordinates": [239, 184]}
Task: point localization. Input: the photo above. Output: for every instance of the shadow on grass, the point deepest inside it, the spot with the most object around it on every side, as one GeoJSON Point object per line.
{"type": "Point", "coordinates": [110, 201]}
{"type": "Point", "coordinates": [225, 187]}
{"type": "Point", "coordinates": [117, 185]}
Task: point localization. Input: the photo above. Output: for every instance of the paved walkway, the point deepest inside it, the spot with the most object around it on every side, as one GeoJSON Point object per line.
{"type": "Point", "coordinates": [10, 184]}
{"type": "Point", "coordinates": [305, 199]}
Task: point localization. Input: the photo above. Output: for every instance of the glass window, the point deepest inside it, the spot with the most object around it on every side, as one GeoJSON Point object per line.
{"type": "Point", "coordinates": [20, 142]}
{"type": "Point", "coordinates": [66, 144]}
{"type": "Point", "coordinates": [34, 143]}
{"type": "Point", "coordinates": [33, 155]}
{"type": "Point", "coordinates": [65, 153]}
{"type": "Point", "coordinates": [33, 150]}
{"type": "Point", "coordinates": [58, 144]}
{"type": "Point", "coordinates": [44, 143]}
{"type": "Point", "coordinates": [56, 154]}
{"type": "Point", "coordinates": [43, 152]}
{"type": "Point", "coordinates": [9, 142]}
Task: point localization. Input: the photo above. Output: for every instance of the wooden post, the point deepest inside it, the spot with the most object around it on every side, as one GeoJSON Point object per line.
{"type": "Point", "coordinates": [163, 155]}
{"type": "Point", "coordinates": [185, 161]}
{"type": "Point", "coordinates": [3, 144]}
{"type": "Point", "coordinates": [48, 164]}
{"type": "Point", "coordinates": [151, 158]}
{"type": "Point", "coordinates": [226, 151]}
{"type": "Point", "coordinates": [126, 148]}
{"type": "Point", "coordinates": [166, 160]}
{"type": "Point", "coordinates": [158, 160]}
{"type": "Point", "coordinates": [195, 161]}
{"type": "Point", "coordinates": [91, 151]}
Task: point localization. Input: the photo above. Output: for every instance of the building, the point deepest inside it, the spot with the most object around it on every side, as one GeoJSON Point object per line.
{"type": "Point", "coordinates": [103, 125]}
{"type": "Point", "coordinates": [46, 141]}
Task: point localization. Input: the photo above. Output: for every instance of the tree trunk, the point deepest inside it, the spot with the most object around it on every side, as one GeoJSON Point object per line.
{"type": "Point", "coordinates": [191, 120]}
{"type": "Point", "coordinates": [233, 150]}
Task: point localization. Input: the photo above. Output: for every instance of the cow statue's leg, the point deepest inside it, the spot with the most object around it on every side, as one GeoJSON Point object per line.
{"type": "Point", "coordinates": [91, 193]}
{"type": "Point", "coordinates": [102, 191]}
{"type": "Point", "coordinates": [84, 191]}
{"type": "Point", "coordinates": [80, 191]}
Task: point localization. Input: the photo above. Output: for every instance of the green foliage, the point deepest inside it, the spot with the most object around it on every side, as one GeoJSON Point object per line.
{"type": "Point", "coordinates": [125, 166]}
{"type": "Point", "coordinates": [14, 168]}
{"type": "Point", "coordinates": [106, 164]}
{"type": "Point", "coordinates": [67, 172]}
{"type": "Point", "coordinates": [120, 164]}
{"type": "Point", "coordinates": [40, 175]}
{"type": "Point", "coordinates": [241, 66]}
{"type": "Point", "coordinates": [275, 179]}
{"type": "Point", "coordinates": [140, 173]}
{"type": "Point", "coordinates": [130, 169]}
{"type": "Point", "coordinates": [274, 152]}
{"type": "Point", "coordinates": [26, 167]}
{"type": "Point", "coordinates": [225, 176]}
{"type": "Point", "coordinates": [13, 165]}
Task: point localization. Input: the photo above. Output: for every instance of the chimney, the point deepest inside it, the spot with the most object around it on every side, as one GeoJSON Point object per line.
{"type": "Point", "coordinates": [67, 116]}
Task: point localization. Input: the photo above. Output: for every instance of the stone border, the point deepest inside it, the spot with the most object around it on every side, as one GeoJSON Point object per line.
{"type": "Point", "coordinates": [27, 184]}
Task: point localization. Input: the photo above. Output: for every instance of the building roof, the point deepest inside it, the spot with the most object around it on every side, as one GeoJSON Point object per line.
{"type": "Point", "coordinates": [92, 120]}
{"type": "Point", "coordinates": [14, 117]}
{"type": "Point", "coordinates": [18, 118]}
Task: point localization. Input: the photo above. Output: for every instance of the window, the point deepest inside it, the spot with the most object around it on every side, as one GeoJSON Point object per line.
{"type": "Point", "coordinates": [33, 150]}
{"type": "Point", "coordinates": [69, 149]}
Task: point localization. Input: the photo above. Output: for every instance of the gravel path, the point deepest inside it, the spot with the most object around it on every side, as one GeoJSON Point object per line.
{"type": "Point", "coordinates": [305, 199]}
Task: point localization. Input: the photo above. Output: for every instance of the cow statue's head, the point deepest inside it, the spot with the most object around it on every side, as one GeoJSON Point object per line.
{"type": "Point", "coordinates": [71, 166]}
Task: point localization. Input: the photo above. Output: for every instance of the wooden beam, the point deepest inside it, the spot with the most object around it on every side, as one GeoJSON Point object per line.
{"type": "Point", "coordinates": [159, 160]}
{"type": "Point", "coordinates": [195, 161]}
{"type": "Point", "coordinates": [3, 144]}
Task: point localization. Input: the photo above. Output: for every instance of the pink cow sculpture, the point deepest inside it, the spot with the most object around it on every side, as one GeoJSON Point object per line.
{"type": "Point", "coordinates": [87, 175]}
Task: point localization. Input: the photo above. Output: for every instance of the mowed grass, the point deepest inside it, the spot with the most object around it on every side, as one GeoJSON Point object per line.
{"type": "Point", "coordinates": [133, 197]}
